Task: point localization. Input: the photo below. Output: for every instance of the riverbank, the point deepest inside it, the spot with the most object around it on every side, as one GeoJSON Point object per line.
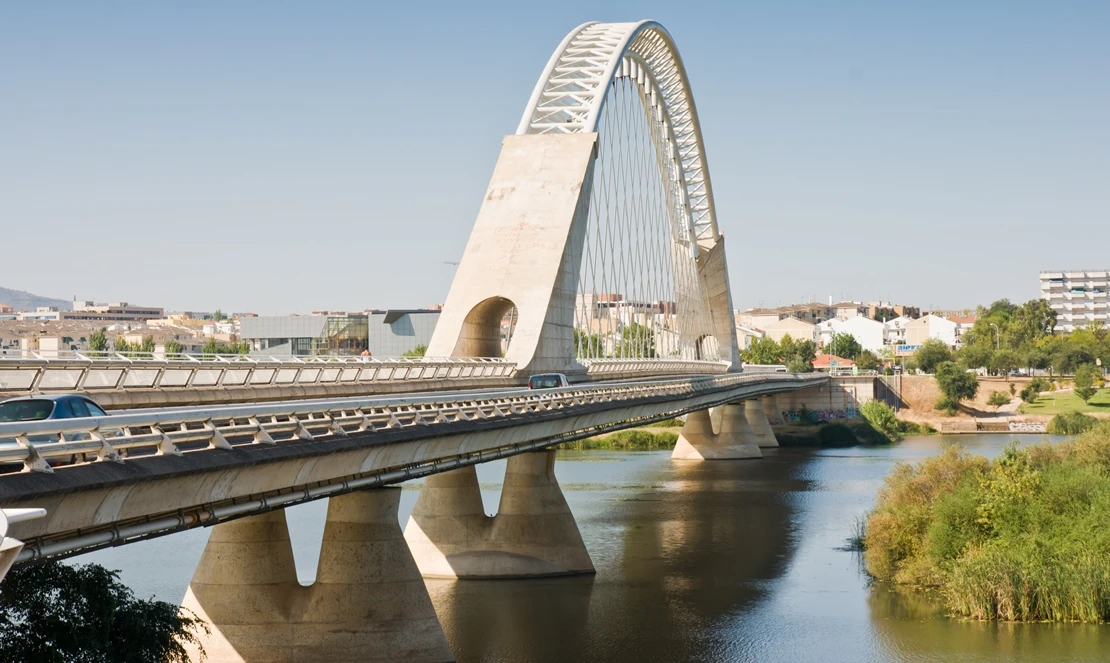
{"type": "Point", "coordinates": [1019, 538]}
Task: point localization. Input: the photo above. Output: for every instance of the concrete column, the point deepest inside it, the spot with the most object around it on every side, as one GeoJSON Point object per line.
{"type": "Point", "coordinates": [763, 435]}
{"type": "Point", "coordinates": [245, 587]}
{"type": "Point", "coordinates": [369, 602]}
{"type": "Point", "coordinates": [697, 441]}
{"type": "Point", "coordinates": [773, 410]}
{"type": "Point", "coordinates": [448, 527]}
{"type": "Point", "coordinates": [533, 533]}
{"type": "Point", "coordinates": [534, 520]}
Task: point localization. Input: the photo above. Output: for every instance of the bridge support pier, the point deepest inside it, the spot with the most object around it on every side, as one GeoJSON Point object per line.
{"type": "Point", "coordinates": [368, 603]}
{"type": "Point", "coordinates": [532, 535]}
{"type": "Point", "coordinates": [773, 410]}
{"type": "Point", "coordinates": [697, 441]}
{"type": "Point", "coordinates": [764, 437]}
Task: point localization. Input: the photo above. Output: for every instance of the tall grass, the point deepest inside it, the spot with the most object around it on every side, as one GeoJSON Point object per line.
{"type": "Point", "coordinates": [1071, 423]}
{"type": "Point", "coordinates": [1022, 537]}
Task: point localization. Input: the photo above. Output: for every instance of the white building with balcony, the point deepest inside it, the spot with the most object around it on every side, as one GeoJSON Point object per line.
{"type": "Point", "coordinates": [1078, 297]}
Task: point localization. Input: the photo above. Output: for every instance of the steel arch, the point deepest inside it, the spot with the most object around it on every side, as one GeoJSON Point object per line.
{"type": "Point", "coordinates": [572, 90]}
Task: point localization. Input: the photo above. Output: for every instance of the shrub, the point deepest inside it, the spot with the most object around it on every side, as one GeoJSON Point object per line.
{"type": "Point", "coordinates": [1013, 389]}
{"type": "Point", "coordinates": [947, 405]}
{"type": "Point", "coordinates": [836, 434]}
{"type": "Point", "coordinates": [806, 416]}
{"type": "Point", "coordinates": [881, 417]}
{"type": "Point", "coordinates": [998, 399]}
{"type": "Point", "coordinates": [1022, 537]}
{"type": "Point", "coordinates": [1071, 423]}
{"type": "Point", "coordinates": [667, 423]}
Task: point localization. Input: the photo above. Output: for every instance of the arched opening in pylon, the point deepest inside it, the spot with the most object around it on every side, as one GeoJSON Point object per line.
{"type": "Point", "coordinates": [487, 329]}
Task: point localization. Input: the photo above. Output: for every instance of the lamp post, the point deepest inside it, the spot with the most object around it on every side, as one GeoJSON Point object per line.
{"type": "Point", "coordinates": [997, 335]}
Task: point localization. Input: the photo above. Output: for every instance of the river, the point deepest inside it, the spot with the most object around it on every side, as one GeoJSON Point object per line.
{"type": "Point", "coordinates": [713, 561]}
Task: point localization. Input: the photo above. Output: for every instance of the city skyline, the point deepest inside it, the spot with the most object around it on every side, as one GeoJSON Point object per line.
{"type": "Point", "coordinates": [280, 159]}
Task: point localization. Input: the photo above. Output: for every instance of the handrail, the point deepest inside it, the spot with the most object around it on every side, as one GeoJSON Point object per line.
{"type": "Point", "coordinates": [160, 431]}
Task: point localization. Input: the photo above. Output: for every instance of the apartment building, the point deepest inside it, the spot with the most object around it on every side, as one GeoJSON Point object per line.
{"type": "Point", "coordinates": [1078, 297]}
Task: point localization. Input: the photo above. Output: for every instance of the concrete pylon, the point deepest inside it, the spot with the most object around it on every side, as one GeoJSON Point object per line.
{"type": "Point", "coordinates": [369, 602]}
{"type": "Point", "coordinates": [761, 429]}
{"type": "Point", "coordinates": [772, 410]}
{"type": "Point", "coordinates": [533, 534]}
{"type": "Point", "coordinates": [697, 441]}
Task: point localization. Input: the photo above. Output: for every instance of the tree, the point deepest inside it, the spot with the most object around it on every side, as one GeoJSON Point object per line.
{"type": "Point", "coordinates": [587, 345]}
{"type": "Point", "coordinates": [955, 383]}
{"type": "Point", "coordinates": [845, 345]}
{"type": "Point", "coordinates": [218, 315]}
{"type": "Point", "coordinates": [1004, 361]}
{"type": "Point", "coordinates": [1085, 381]}
{"type": "Point", "coordinates": [419, 351]}
{"type": "Point", "coordinates": [147, 344]}
{"type": "Point", "coordinates": [57, 612]}
{"type": "Point", "coordinates": [976, 354]}
{"type": "Point", "coordinates": [98, 341]}
{"type": "Point", "coordinates": [932, 353]}
{"type": "Point", "coordinates": [868, 361]}
{"type": "Point", "coordinates": [173, 347]}
{"type": "Point", "coordinates": [1072, 355]}
{"type": "Point", "coordinates": [763, 351]}
{"type": "Point", "coordinates": [210, 346]}
{"type": "Point", "coordinates": [121, 345]}
{"type": "Point", "coordinates": [637, 342]}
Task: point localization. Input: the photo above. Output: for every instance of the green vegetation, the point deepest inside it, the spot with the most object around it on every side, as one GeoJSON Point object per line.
{"type": "Point", "coordinates": [932, 353]}
{"type": "Point", "coordinates": [1085, 377]}
{"type": "Point", "coordinates": [637, 341]}
{"type": "Point", "coordinates": [98, 341]}
{"type": "Point", "coordinates": [845, 345]}
{"type": "Point", "coordinates": [667, 423]}
{"type": "Point", "coordinates": [1066, 401]}
{"type": "Point", "coordinates": [214, 348]}
{"type": "Point", "coordinates": [843, 433]}
{"type": "Point", "coordinates": [122, 346]}
{"type": "Point", "coordinates": [881, 417]}
{"type": "Point", "coordinates": [629, 440]}
{"type": "Point", "coordinates": [419, 351]}
{"type": "Point", "coordinates": [588, 345]}
{"type": "Point", "coordinates": [57, 612]}
{"type": "Point", "coordinates": [173, 347]}
{"type": "Point", "coordinates": [956, 383]}
{"type": "Point", "coordinates": [868, 361]}
{"type": "Point", "coordinates": [798, 356]}
{"type": "Point", "coordinates": [999, 398]}
{"type": "Point", "coordinates": [1022, 537]}
{"type": "Point", "coordinates": [1072, 423]}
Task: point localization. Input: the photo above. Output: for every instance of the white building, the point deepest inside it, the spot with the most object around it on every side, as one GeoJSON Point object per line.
{"type": "Point", "coordinates": [1078, 297]}
{"type": "Point", "coordinates": [870, 334]}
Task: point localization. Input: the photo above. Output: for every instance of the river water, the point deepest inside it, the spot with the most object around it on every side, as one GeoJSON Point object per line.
{"type": "Point", "coordinates": [713, 561]}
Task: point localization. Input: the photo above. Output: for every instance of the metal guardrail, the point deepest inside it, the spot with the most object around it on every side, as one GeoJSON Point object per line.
{"type": "Point", "coordinates": [40, 444]}
{"type": "Point", "coordinates": [75, 371]}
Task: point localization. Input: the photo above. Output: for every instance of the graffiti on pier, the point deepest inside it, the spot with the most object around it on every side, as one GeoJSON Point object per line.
{"type": "Point", "coordinates": [805, 415]}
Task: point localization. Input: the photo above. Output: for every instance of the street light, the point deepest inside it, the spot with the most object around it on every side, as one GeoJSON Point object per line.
{"type": "Point", "coordinates": [997, 335]}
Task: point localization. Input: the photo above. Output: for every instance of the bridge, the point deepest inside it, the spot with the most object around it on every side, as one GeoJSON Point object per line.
{"type": "Point", "coordinates": [597, 238]}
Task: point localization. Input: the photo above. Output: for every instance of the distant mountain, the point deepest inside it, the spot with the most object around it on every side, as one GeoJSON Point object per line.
{"type": "Point", "coordinates": [25, 301]}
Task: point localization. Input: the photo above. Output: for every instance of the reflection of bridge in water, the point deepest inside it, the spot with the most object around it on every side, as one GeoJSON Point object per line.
{"type": "Point", "coordinates": [604, 189]}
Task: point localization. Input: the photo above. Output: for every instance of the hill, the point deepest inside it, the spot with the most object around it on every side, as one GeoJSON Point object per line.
{"type": "Point", "coordinates": [25, 301]}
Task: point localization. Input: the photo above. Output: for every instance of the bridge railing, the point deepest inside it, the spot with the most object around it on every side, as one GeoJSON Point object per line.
{"type": "Point", "coordinates": [76, 371]}
{"type": "Point", "coordinates": [601, 367]}
{"type": "Point", "coordinates": [39, 445]}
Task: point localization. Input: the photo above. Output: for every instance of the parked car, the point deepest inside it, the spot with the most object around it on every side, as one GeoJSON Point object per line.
{"type": "Point", "coordinates": [548, 381]}
{"type": "Point", "coordinates": [38, 408]}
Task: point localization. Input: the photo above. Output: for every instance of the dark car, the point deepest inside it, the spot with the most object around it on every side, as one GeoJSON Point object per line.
{"type": "Point", "coordinates": [37, 408]}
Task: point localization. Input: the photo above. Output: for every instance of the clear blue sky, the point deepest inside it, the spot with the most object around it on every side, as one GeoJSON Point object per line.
{"type": "Point", "coordinates": [280, 157]}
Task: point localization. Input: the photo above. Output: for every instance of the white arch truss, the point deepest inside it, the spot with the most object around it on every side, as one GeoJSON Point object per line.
{"type": "Point", "coordinates": [574, 88]}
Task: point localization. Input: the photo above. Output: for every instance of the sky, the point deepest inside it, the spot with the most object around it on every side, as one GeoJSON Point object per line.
{"type": "Point", "coordinates": [281, 157]}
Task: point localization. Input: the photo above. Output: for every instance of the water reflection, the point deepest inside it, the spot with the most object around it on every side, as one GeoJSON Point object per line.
{"type": "Point", "coordinates": [715, 561]}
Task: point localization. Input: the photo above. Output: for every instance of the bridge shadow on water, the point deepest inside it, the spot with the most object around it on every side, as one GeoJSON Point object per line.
{"type": "Point", "coordinates": [681, 550]}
